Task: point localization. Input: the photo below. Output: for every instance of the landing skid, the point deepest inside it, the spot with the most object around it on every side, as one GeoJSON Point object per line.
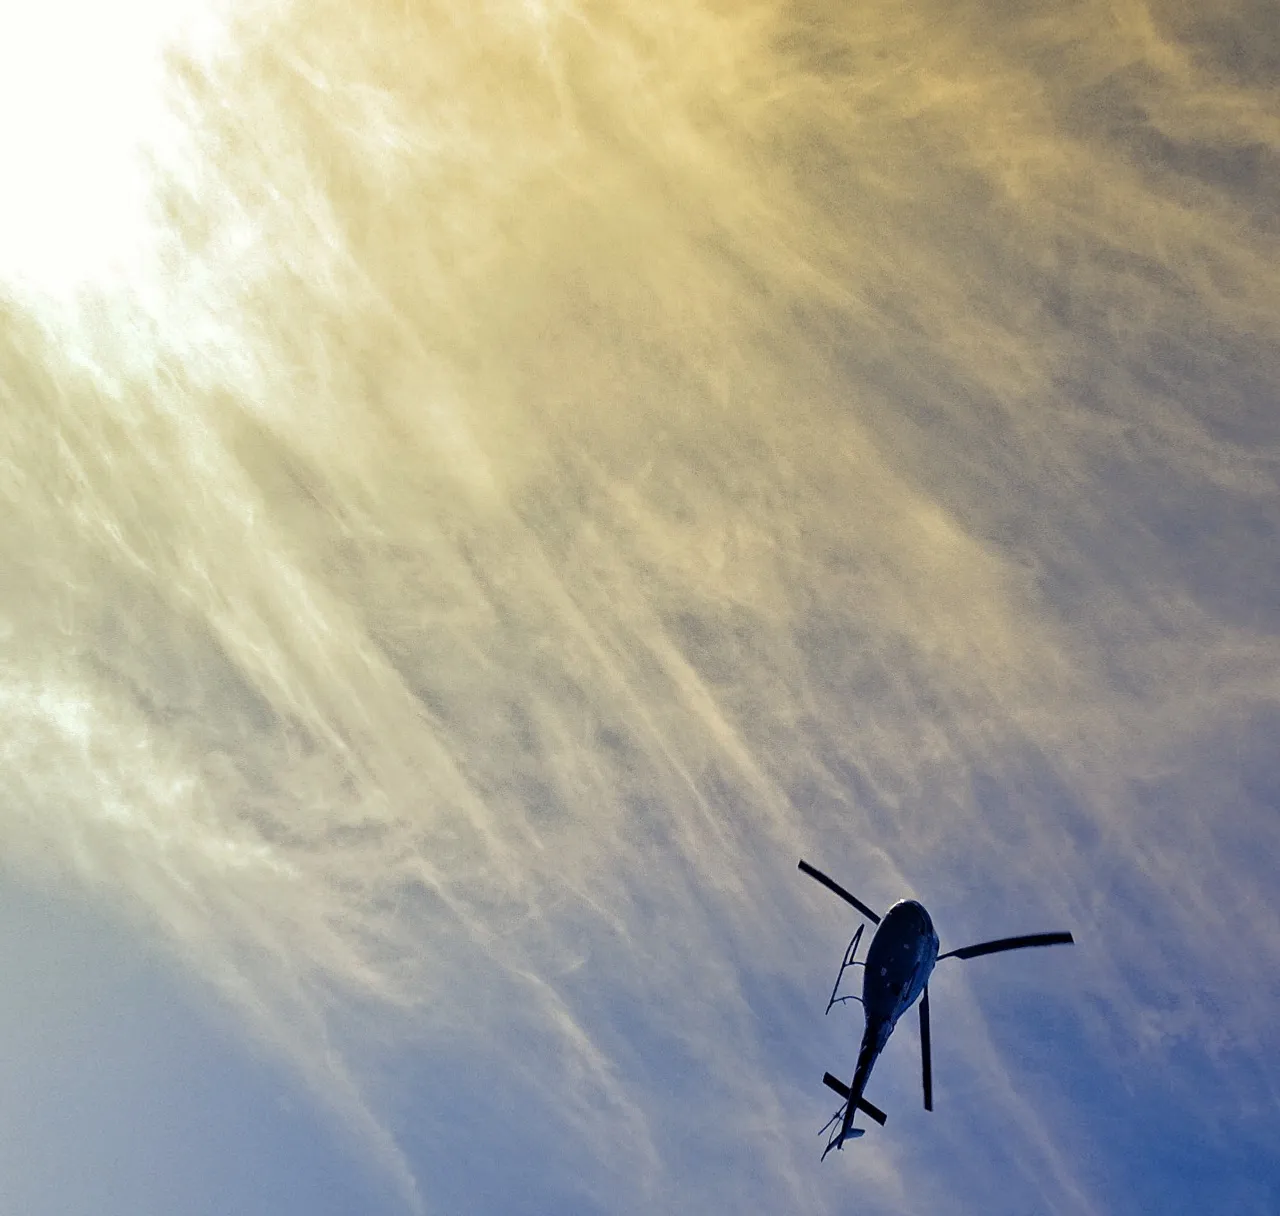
{"type": "Point", "coordinates": [850, 950]}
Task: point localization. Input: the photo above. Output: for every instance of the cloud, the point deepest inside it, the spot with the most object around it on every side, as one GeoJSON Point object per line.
{"type": "Point", "coordinates": [567, 461]}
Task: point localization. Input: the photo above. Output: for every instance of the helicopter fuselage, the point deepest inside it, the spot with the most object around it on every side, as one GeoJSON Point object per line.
{"type": "Point", "coordinates": [899, 962]}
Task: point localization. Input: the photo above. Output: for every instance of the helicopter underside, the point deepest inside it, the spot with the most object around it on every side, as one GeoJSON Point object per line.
{"type": "Point", "coordinates": [899, 962]}
{"type": "Point", "coordinates": [896, 973]}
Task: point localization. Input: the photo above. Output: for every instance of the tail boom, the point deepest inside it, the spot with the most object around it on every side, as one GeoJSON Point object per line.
{"type": "Point", "coordinates": [873, 1041]}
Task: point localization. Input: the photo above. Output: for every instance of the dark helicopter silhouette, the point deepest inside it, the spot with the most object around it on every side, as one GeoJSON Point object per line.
{"type": "Point", "coordinates": [900, 959]}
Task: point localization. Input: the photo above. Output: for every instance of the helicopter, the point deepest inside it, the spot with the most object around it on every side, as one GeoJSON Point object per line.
{"type": "Point", "coordinates": [900, 959]}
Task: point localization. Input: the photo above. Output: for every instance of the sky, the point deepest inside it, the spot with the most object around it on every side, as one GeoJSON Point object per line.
{"type": "Point", "coordinates": [484, 489]}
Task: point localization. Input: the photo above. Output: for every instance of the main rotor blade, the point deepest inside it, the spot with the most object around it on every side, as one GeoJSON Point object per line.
{"type": "Point", "coordinates": [926, 1058]}
{"type": "Point", "coordinates": [1010, 943]}
{"type": "Point", "coordinates": [832, 885]}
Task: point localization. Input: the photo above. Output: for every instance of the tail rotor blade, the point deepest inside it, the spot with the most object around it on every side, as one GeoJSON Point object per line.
{"type": "Point", "coordinates": [832, 885]}
{"type": "Point", "coordinates": [926, 1057]}
{"type": "Point", "coordinates": [1010, 943]}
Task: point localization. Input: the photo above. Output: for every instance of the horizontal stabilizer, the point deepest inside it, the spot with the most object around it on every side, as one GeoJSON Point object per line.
{"type": "Point", "coordinates": [863, 1105]}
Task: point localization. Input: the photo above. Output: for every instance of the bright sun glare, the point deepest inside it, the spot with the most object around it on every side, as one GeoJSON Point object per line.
{"type": "Point", "coordinates": [83, 103]}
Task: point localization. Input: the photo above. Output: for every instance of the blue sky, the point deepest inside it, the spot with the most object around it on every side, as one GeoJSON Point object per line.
{"type": "Point", "coordinates": [122, 1093]}
{"type": "Point", "coordinates": [485, 493]}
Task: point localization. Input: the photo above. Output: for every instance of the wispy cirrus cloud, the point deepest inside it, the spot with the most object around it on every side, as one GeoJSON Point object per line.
{"type": "Point", "coordinates": [568, 461]}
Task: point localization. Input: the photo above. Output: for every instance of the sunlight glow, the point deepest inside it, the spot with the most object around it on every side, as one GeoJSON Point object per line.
{"type": "Point", "coordinates": [83, 105]}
